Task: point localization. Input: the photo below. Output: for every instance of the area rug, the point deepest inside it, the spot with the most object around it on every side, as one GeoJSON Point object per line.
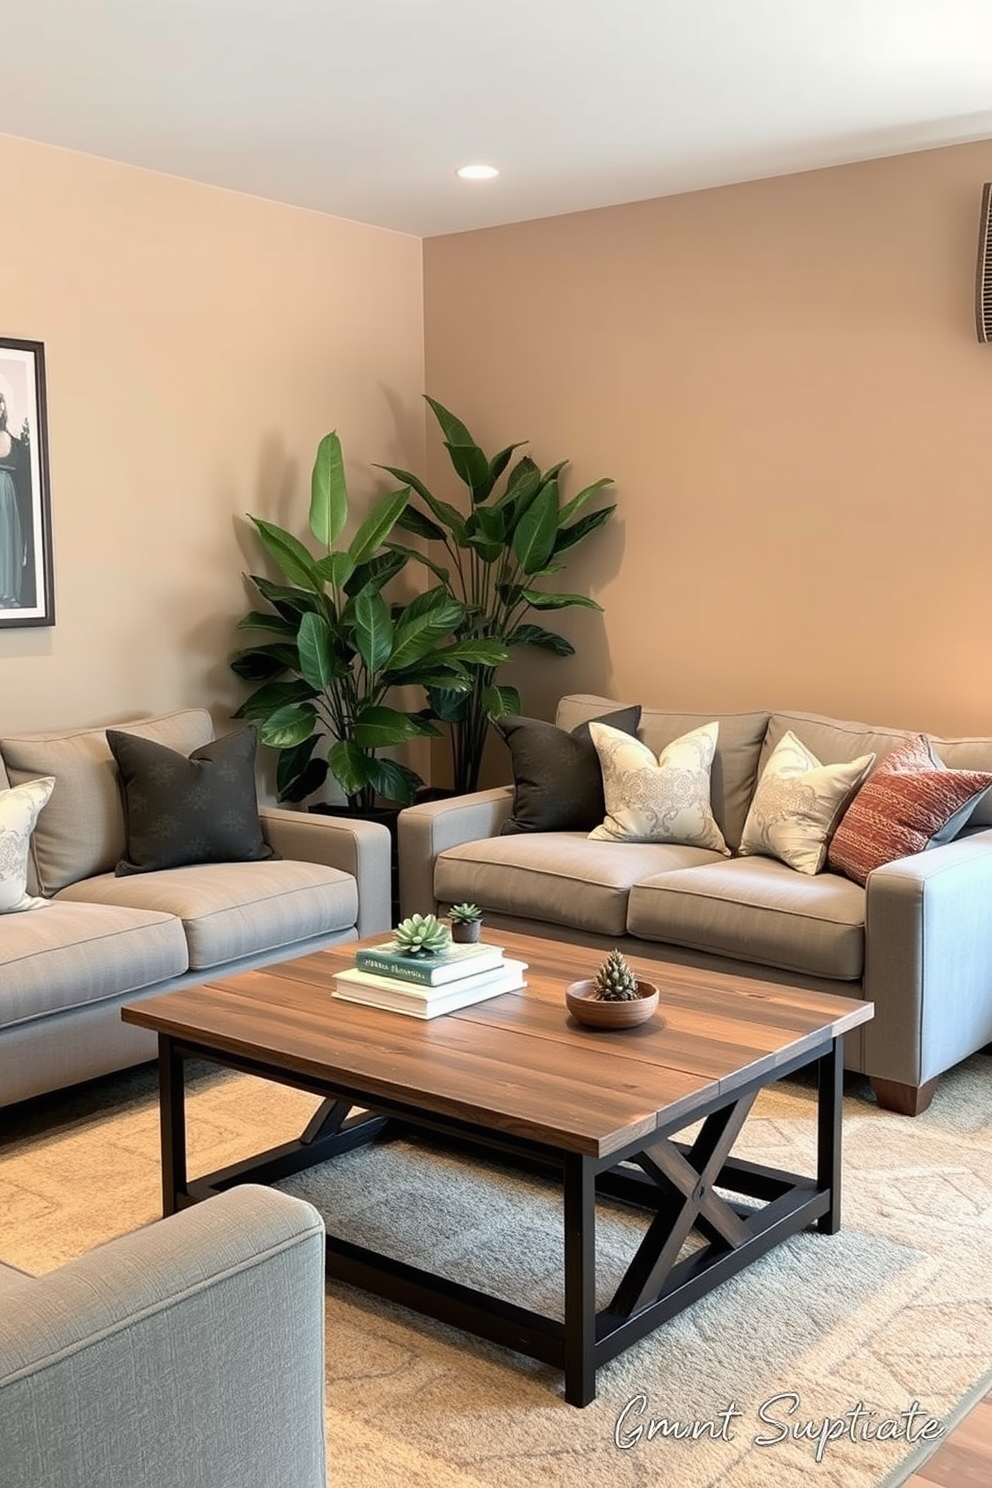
{"type": "Point", "coordinates": [824, 1362]}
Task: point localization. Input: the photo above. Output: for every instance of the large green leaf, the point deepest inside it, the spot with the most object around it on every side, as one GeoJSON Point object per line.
{"type": "Point", "coordinates": [420, 632]}
{"type": "Point", "coordinates": [408, 479]}
{"type": "Point", "coordinates": [297, 774]}
{"type": "Point", "coordinates": [393, 781]}
{"type": "Point", "coordinates": [569, 536]}
{"type": "Point", "coordinates": [534, 535]}
{"type": "Point", "coordinates": [336, 569]}
{"type": "Point", "coordinates": [272, 696]}
{"type": "Point", "coordinates": [373, 629]}
{"type": "Point", "coordinates": [414, 521]}
{"type": "Point", "coordinates": [452, 428]}
{"type": "Point", "coordinates": [491, 522]}
{"type": "Point", "coordinates": [377, 571]}
{"type": "Point", "coordinates": [558, 601]}
{"type": "Point", "coordinates": [471, 467]}
{"type": "Point", "coordinates": [475, 653]}
{"type": "Point", "coordinates": [378, 727]}
{"type": "Point", "coordinates": [378, 525]}
{"type": "Point", "coordinates": [288, 726]}
{"type": "Point", "coordinates": [499, 701]}
{"type": "Point", "coordinates": [447, 705]}
{"type": "Point", "coordinates": [318, 662]}
{"type": "Point", "coordinates": [260, 663]}
{"type": "Point", "coordinates": [499, 462]}
{"type": "Point", "coordinates": [328, 492]}
{"type": "Point", "coordinates": [260, 620]}
{"type": "Point", "coordinates": [290, 602]}
{"type": "Point", "coordinates": [522, 484]}
{"type": "Point", "coordinates": [351, 768]}
{"type": "Point", "coordinates": [547, 640]}
{"type": "Point", "coordinates": [295, 562]}
{"type": "Point", "coordinates": [571, 508]}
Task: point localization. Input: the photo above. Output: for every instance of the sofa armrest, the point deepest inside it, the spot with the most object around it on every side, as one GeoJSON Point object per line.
{"type": "Point", "coordinates": [189, 1354]}
{"type": "Point", "coordinates": [928, 960]}
{"type": "Point", "coordinates": [361, 848]}
{"type": "Point", "coordinates": [428, 829]}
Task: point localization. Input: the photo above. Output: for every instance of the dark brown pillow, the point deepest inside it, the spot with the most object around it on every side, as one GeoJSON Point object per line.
{"type": "Point", "coordinates": [179, 810]}
{"type": "Point", "coordinates": [557, 779]}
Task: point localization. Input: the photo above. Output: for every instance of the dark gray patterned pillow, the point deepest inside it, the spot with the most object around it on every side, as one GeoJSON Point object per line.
{"type": "Point", "coordinates": [179, 810]}
{"type": "Point", "coordinates": [558, 782]}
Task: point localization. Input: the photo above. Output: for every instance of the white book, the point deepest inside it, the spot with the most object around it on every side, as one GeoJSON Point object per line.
{"type": "Point", "coordinates": [429, 1002]}
{"type": "Point", "coordinates": [357, 979]}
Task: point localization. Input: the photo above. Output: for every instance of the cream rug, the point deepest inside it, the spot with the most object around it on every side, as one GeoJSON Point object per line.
{"type": "Point", "coordinates": [891, 1315]}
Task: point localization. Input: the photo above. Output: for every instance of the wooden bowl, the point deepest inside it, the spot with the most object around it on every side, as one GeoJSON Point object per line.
{"type": "Point", "coordinates": [594, 1012]}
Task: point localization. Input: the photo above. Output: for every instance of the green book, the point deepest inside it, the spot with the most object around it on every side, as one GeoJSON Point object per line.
{"type": "Point", "coordinates": [430, 971]}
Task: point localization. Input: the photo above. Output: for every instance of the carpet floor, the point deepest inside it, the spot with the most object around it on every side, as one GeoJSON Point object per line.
{"type": "Point", "coordinates": [751, 1386]}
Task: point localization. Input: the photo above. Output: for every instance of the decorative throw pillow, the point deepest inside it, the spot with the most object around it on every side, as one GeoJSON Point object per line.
{"type": "Point", "coordinates": [557, 781]}
{"type": "Point", "coordinates": [658, 800]}
{"type": "Point", "coordinates": [19, 810]}
{"type": "Point", "coordinates": [179, 810]}
{"type": "Point", "coordinates": [798, 803]}
{"type": "Point", "coordinates": [911, 802]}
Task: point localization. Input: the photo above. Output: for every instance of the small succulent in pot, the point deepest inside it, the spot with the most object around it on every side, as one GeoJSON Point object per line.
{"type": "Point", "coordinates": [421, 935]}
{"type": "Point", "coordinates": [614, 981]}
{"type": "Point", "coordinates": [466, 922]}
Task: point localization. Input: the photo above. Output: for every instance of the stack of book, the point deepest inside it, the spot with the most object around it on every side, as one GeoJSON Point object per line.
{"type": "Point", "coordinates": [425, 986]}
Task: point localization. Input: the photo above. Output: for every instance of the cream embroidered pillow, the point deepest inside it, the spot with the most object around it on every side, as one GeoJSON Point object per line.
{"type": "Point", "coordinates": [658, 800]}
{"type": "Point", "coordinates": [19, 808]}
{"type": "Point", "coordinates": [798, 803]}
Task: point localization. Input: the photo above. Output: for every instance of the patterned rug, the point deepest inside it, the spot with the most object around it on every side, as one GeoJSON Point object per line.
{"type": "Point", "coordinates": [823, 1362]}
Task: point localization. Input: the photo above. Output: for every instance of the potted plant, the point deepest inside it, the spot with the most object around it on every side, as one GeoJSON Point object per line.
{"type": "Point", "coordinates": [338, 650]}
{"type": "Point", "coordinates": [614, 998]}
{"type": "Point", "coordinates": [497, 553]}
{"type": "Point", "coordinates": [466, 923]}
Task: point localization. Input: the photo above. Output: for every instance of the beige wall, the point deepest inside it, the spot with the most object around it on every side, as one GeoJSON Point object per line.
{"type": "Point", "coordinates": [198, 344]}
{"type": "Point", "coordinates": [784, 380]}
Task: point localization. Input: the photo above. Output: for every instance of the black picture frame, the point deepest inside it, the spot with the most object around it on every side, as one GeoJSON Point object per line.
{"type": "Point", "coordinates": [27, 584]}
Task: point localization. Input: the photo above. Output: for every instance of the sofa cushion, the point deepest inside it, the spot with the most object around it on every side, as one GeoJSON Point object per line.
{"type": "Point", "coordinates": [658, 800]}
{"type": "Point", "coordinates": [179, 809]}
{"type": "Point", "coordinates": [758, 910]}
{"type": "Point", "coordinates": [557, 780]}
{"type": "Point", "coordinates": [735, 763]}
{"type": "Point", "coordinates": [81, 831]}
{"type": "Point", "coordinates": [911, 803]}
{"type": "Point", "coordinates": [79, 953]}
{"type": "Point", "coordinates": [798, 803]}
{"type": "Point", "coordinates": [19, 809]}
{"type": "Point", "coordinates": [229, 910]}
{"type": "Point", "coordinates": [562, 877]}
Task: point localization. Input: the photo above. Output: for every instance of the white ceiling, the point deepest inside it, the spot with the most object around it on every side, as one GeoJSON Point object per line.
{"type": "Point", "coordinates": [364, 108]}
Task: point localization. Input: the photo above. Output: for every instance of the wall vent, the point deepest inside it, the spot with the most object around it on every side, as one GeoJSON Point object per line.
{"type": "Point", "coordinates": [983, 282]}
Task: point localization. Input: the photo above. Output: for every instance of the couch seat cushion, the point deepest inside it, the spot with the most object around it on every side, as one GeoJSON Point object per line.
{"type": "Point", "coordinates": [563, 877]}
{"type": "Point", "coordinates": [758, 910]}
{"type": "Point", "coordinates": [77, 953]}
{"type": "Point", "coordinates": [230, 910]}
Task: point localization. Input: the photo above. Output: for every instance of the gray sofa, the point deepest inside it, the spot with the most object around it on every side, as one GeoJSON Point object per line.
{"type": "Point", "coordinates": [67, 969]}
{"type": "Point", "coordinates": [189, 1354]}
{"type": "Point", "coordinates": [916, 941]}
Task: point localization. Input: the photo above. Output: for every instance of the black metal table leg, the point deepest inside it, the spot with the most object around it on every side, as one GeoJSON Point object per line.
{"type": "Point", "coordinates": [171, 1067]}
{"type": "Point", "coordinates": [830, 1109]}
{"type": "Point", "coordinates": [580, 1279]}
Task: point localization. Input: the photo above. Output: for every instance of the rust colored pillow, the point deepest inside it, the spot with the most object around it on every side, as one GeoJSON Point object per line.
{"type": "Point", "coordinates": [910, 803]}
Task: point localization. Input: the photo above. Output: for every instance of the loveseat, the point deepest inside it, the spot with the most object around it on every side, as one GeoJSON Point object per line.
{"type": "Point", "coordinates": [189, 1354]}
{"type": "Point", "coordinates": [915, 939]}
{"type": "Point", "coordinates": [100, 940]}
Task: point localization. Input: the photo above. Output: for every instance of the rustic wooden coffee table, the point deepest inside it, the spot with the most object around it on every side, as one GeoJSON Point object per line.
{"type": "Point", "coordinates": [518, 1077]}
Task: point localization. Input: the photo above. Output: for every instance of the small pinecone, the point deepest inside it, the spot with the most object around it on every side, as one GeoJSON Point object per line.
{"type": "Point", "coordinates": [421, 935]}
{"type": "Point", "coordinates": [615, 982]}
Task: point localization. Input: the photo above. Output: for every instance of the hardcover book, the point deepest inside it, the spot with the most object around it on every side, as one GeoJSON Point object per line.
{"type": "Point", "coordinates": [428, 1002]}
{"type": "Point", "coordinates": [429, 971]}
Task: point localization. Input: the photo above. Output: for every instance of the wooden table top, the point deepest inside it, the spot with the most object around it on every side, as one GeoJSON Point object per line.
{"type": "Point", "coordinates": [518, 1063]}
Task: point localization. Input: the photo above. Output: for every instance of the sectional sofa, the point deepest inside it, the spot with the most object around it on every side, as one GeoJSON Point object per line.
{"type": "Point", "coordinates": [915, 939]}
{"type": "Point", "coordinates": [102, 940]}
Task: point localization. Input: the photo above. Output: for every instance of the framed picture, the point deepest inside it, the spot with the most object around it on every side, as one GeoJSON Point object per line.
{"type": "Point", "coordinates": [27, 589]}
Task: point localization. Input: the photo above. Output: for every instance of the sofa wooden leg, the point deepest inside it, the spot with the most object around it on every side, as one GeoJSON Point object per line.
{"type": "Point", "coordinates": [904, 1100]}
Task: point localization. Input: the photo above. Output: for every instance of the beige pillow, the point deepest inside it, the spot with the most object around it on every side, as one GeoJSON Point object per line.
{"type": "Point", "coordinates": [19, 808]}
{"type": "Point", "coordinates": [664, 799]}
{"type": "Point", "coordinates": [798, 803]}
{"type": "Point", "coordinates": [81, 832]}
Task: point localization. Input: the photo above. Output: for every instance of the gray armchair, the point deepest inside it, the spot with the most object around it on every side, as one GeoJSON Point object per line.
{"type": "Point", "coordinates": [186, 1355]}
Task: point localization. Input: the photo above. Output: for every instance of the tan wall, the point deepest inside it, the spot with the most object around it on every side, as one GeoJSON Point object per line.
{"type": "Point", "coordinates": [198, 344]}
{"type": "Point", "coordinates": [784, 380]}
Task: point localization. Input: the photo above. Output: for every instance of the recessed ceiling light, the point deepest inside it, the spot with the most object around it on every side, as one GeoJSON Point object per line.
{"type": "Point", "coordinates": [477, 172]}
